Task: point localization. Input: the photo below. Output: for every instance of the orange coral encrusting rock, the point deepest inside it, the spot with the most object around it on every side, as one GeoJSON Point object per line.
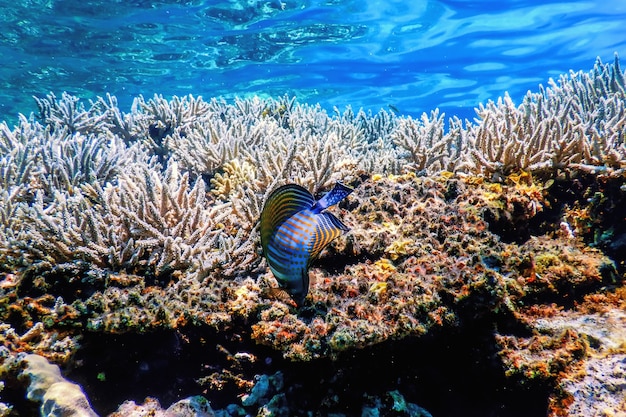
{"type": "Point", "coordinates": [454, 269]}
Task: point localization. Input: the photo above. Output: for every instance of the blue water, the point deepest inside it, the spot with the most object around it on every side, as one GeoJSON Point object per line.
{"type": "Point", "coordinates": [410, 56]}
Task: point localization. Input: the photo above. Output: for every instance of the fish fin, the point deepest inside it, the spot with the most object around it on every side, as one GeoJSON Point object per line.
{"type": "Point", "coordinates": [283, 203]}
{"type": "Point", "coordinates": [328, 228]}
{"type": "Point", "coordinates": [338, 193]}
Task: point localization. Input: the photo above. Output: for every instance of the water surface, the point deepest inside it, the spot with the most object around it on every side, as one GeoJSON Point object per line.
{"type": "Point", "coordinates": [409, 56]}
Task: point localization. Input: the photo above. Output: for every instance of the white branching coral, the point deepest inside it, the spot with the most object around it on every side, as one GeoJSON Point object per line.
{"type": "Point", "coordinates": [178, 185]}
{"type": "Point", "coordinates": [146, 220]}
{"type": "Point", "coordinates": [164, 221]}
{"type": "Point", "coordinates": [579, 123]}
{"type": "Point", "coordinates": [529, 138]}
{"type": "Point", "coordinates": [429, 149]}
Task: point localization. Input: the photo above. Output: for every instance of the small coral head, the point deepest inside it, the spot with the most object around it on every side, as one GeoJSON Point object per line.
{"type": "Point", "coordinates": [294, 230]}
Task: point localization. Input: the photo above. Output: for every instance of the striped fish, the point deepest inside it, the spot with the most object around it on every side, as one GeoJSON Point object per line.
{"type": "Point", "coordinates": [294, 230]}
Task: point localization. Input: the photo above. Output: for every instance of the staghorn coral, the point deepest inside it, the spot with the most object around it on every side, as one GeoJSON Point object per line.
{"type": "Point", "coordinates": [578, 123]}
{"type": "Point", "coordinates": [75, 203]}
{"type": "Point", "coordinates": [36, 158]}
{"type": "Point", "coordinates": [68, 114]}
{"type": "Point", "coordinates": [235, 177]}
{"type": "Point", "coordinates": [430, 150]}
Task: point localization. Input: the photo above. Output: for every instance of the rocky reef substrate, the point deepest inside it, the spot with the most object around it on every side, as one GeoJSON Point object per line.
{"type": "Point", "coordinates": [451, 295]}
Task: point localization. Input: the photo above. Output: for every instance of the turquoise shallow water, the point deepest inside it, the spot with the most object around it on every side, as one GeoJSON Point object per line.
{"type": "Point", "coordinates": [410, 56]}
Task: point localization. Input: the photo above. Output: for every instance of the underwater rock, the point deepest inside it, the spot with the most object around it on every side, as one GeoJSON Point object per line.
{"type": "Point", "coordinates": [58, 397]}
{"type": "Point", "coordinates": [605, 332]}
{"type": "Point", "coordinates": [150, 407]}
{"type": "Point", "coordinates": [259, 391]}
{"type": "Point", "coordinates": [196, 406]}
{"type": "Point", "coordinates": [392, 404]}
{"type": "Point", "coordinates": [599, 389]}
{"type": "Point", "coordinates": [276, 407]}
{"type": "Point", "coordinates": [597, 386]}
{"type": "Point", "coordinates": [264, 388]}
{"type": "Point", "coordinates": [232, 410]}
{"type": "Point", "coordinates": [429, 263]}
{"type": "Point", "coordinates": [579, 351]}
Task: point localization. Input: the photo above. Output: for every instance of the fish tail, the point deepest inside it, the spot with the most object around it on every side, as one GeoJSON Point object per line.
{"type": "Point", "coordinates": [334, 196]}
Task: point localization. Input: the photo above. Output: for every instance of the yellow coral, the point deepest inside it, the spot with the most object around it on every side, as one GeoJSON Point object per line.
{"type": "Point", "coordinates": [247, 295]}
{"type": "Point", "coordinates": [242, 292]}
{"type": "Point", "coordinates": [545, 260]}
{"type": "Point", "coordinates": [473, 180]}
{"type": "Point", "coordinates": [495, 188]}
{"type": "Point", "coordinates": [521, 178]}
{"type": "Point", "coordinates": [408, 176]}
{"type": "Point", "coordinates": [235, 174]}
{"type": "Point", "coordinates": [378, 288]}
{"type": "Point", "coordinates": [385, 264]}
{"type": "Point", "coordinates": [398, 248]}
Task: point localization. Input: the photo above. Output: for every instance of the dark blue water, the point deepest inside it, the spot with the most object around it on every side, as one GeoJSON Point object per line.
{"type": "Point", "coordinates": [408, 55]}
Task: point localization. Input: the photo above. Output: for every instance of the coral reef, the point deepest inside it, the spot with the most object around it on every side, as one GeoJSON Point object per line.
{"type": "Point", "coordinates": [114, 223]}
{"type": "Point", "coordinates": [110, 188]}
